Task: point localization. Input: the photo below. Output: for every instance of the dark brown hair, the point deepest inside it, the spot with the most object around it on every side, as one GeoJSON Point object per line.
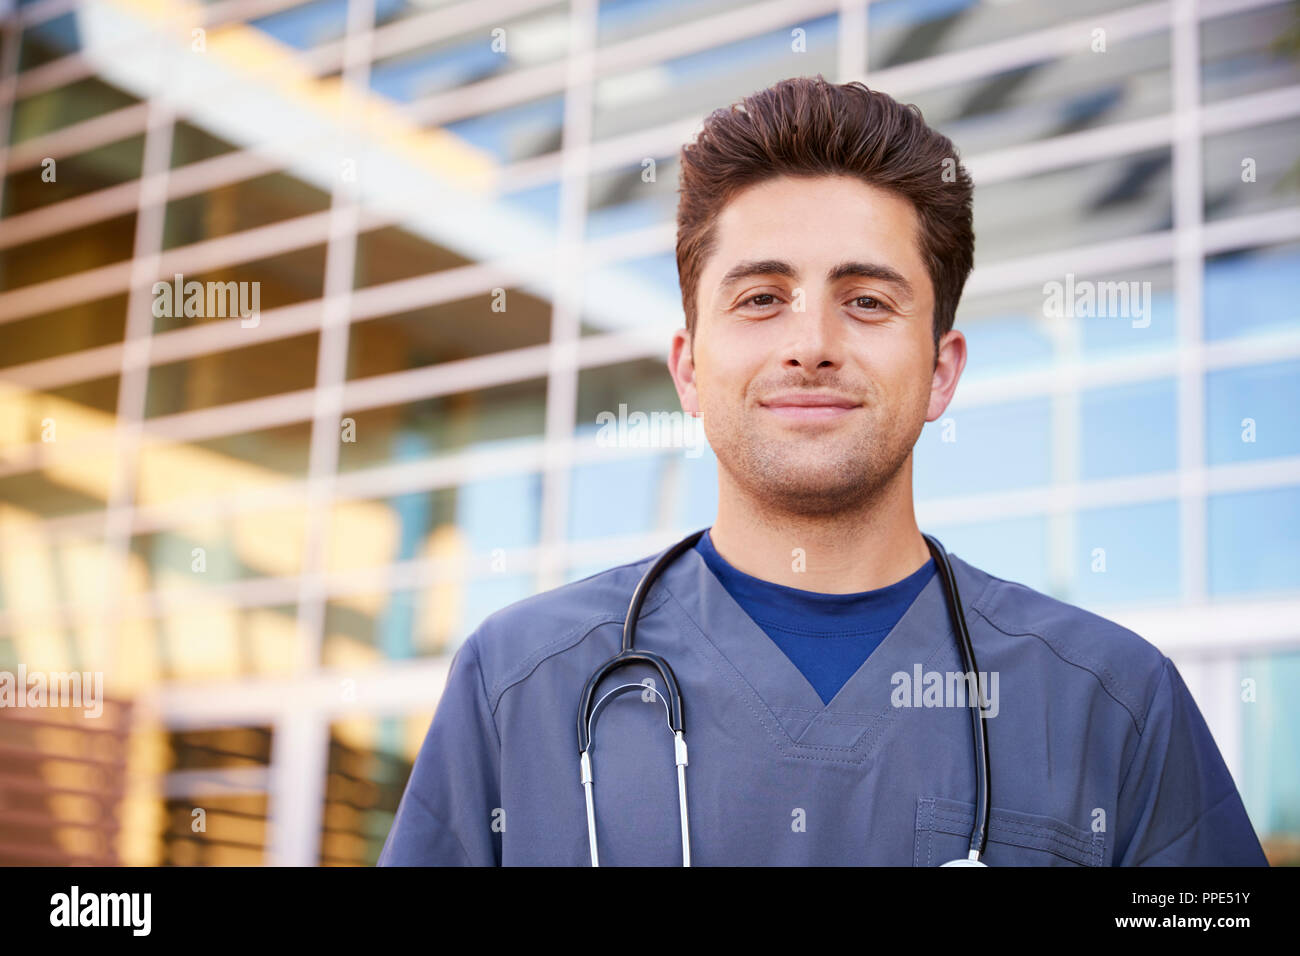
{"type": "Point", "coordinates": [808, 127]}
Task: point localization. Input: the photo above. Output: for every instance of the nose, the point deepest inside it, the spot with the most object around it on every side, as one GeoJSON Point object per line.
{"type": "Point", "coordinates": [815, 338]}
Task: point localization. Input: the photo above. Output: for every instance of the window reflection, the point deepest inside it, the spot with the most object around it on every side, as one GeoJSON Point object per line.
{"type": "Point", "coordinates": [248, 461]}
{"type": "Point", "coordinates": [82, 326]}
{"type": "Point", "coordinates": [48, 111]}
{"type": "Point", "coordinates": [902, 31]}
{"type": "Point", "coordinates": [287, 279]}
{"type": "Point", "coordinates": [77, 175]}
{"type": "Point", "coordinates": [191, 144]}
{"type": "Point", "coordinates": [536, 38]}
{"type": "Point", "coordinates": [392, 253]}
{"type": "Point", "coordinates": [496, 417]}
{"type": "Point", "coordinates": [1247, 52]}
{"type": "Point", "coordinates": [448, 331]}
{"type": "Point", "coordinates": [1111, 199]}
{"type": "Point", "coordinates": [1251, 291]}
{"type": "Point", "coordinates": [695, 84]}
{"type": "Point", "coordinates": [67, 253]}
{"type": "Point", "coordinates": [1251, 171]}
{"type": "Point", "coordinates": [238, 375]}
{"type": "Point", "coordinates": [220, 550]}
{"type": "Point", "coordinates": [514, 133]}
{"type": "Point", "coordinates": [1053, 97]}
{"type": "Point", "coordinates": [632, 197]}
{"type": "Point", "coordinates": [239, 206]}
{"type": "Point", "coordinates": [1128, 553]}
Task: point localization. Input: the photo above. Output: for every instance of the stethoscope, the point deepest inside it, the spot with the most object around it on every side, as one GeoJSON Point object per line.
{"type": "Point", "coordinates": [673, 704]}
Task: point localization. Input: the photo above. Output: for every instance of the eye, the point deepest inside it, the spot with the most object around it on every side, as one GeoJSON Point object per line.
{"type": "Point", "coordinates": [875, 304]}
{"type": "Point", "coordinates": [754, 299]}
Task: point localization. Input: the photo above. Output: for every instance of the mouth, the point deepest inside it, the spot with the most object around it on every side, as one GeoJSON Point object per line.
{"type": "Point", "coordinates": [797, 407]}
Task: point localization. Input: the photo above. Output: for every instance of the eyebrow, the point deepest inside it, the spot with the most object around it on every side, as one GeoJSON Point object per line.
{"type": "Point", "coordinates": [779, 267]}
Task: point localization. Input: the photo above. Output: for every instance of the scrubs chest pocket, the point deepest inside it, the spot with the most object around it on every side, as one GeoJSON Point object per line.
{"type": "Point", "coordinates": [1015, 838]}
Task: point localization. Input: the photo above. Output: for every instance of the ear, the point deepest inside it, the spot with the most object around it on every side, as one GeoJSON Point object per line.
{"type": "Point", "coordinates": [947, 370]}
{"type": "Point", "coordinates": [681, 366]}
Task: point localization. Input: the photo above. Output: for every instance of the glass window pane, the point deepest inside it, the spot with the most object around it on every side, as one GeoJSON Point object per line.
{"type": "Point", "coordinates": [641, 294]}
{"type": "Point", "coordinates": [55, 492]}
{"type": "Point", "coordinates": [306, 25]}
{"type": "Point", "coordinates": [191, 144]}
{"type": "Point", "coordinates": [698, 83]}
{"type": "Point", "coordinates": [234, 547]}
{"type": "Point", "coordinates": [260, 285]}
{"type": "Point", "coordinates": [1004, 332]}
{"type": "Point", "coordinates": [53, 257]}
{"type": "Point", "coordinates": [1126, 196]}
{"type": "Point", "coordinates": [1250, 412]}
{"type": "Point", "coordinates": [225, 466]}
{"type": "Point", "coordinates": [489, 418]}
{"type": "Point", "coordinates": [1246, 52]}
{"type": "Point", "coordinates": [1251, 291]}
{"type": "Point", "coordinates": [447, 332]}
{"type": "Point", "coordinates": [212, 641]}
{"type": "Point", "coordinates": [392, 253]}
{"type": "Point", "coordinates": [693, 484]}
{"type": "Point", "coordinates": [533, 39]}
{"type": "Point", "coordinates": [1270, 737]}
{"type": "Point", "coordinates": [1129, 429]}
{"type": "Point", "coordinates": [1252, 542]}
{"type": "Point", "coordinates": [1269, 180]}
{"type": "Point", "coordinates": [480, 520]}
{"type": "Point", "coordinates": [238, 375]}
{"type": "Point", "coordinates": [50, 110]}
{"type": "Point", "coordinates": [1053, 97]}
{"type": "Point", "coordinates": [636, 196]}
{"type": "Point", "coordinates": [45, 569]}
{"type": "Point", "coordinates": [641, 386]}
{"type": "Point", "coordinates": [363, 629]}
{"type": "Point", "coordinates": [620, 20]}
{"type": "Point", "coordinates": [1127, 553]}
{"type": "Point", "coordinates": [619, 497]}
{"type": "Point", "coordinates": [77, 175]}
{"type": "Point", "coordinates": [370, 761]}
{"type": "Point", "coordinates": [517, 132]}
{"type": "Point", "coordinates": [1124, 311]}
{"type": "Point", "coordinates": [85, 325]}
{"type": "Point", "coordinates": [57, 414]}
{"type": "Point", "coordinates": [236, 207]}
{"type": "Point", "coordinates": [901, 31]}
{"type": "Point", "coordinates": [46, 42]}
{"type": "Point", "coordinates": [991, 447]}
{"type": "Point", "coordinates": [536, 209]}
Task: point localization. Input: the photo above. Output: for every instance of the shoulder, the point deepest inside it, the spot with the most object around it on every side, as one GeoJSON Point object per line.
{"type": "Point", "coordinates": [512, 641]}
{"type": "Point", "coordinates": [1123, 663]}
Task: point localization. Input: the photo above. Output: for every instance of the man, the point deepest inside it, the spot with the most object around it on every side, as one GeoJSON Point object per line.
{"type": "Point", "coordinates": [824, 237]}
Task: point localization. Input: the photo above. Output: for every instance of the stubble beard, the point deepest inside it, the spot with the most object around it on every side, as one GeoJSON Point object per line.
{"type": "Point", "coordinates": [813, 477]}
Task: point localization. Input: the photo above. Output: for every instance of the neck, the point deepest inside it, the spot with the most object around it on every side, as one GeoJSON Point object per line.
{"type": "Point", "coordinates": [865, 548]}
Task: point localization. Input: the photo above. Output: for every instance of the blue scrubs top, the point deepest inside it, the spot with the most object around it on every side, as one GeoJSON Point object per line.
{"type": "Point", "coordinates": [1099, 754]}
{"type": "Point", "coordinates": [826, 636]}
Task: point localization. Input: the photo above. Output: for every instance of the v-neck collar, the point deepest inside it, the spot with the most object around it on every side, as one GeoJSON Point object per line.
{"type": "Point", "coordinates": [849, 726]}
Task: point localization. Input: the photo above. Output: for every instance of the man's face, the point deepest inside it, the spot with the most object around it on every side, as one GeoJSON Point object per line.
{"type": "Point", "coordinates": [813, 358]}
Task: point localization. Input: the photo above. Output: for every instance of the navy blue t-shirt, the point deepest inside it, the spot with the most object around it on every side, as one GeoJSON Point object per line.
{"type": "Point", "coordinates": [827, 636]}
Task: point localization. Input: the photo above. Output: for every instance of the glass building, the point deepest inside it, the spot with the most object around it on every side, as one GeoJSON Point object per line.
{"type": "Point", "coordinates": [433, 247]}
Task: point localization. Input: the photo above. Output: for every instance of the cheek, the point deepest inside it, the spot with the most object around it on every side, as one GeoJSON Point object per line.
{"type": "Point", "coordinates": [723, 376]}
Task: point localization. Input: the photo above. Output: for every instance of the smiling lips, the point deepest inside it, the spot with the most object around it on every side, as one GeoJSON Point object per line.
{"type": "Point", "coordinates": [809, 406]}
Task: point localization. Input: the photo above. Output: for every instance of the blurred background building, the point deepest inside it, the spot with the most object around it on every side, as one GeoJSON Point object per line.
{"type": "Point", "coordinates": [270, 533]}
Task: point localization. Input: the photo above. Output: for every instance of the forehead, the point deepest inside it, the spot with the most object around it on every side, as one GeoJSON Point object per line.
{"type": "Point", "coordinates": [816, 220]}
